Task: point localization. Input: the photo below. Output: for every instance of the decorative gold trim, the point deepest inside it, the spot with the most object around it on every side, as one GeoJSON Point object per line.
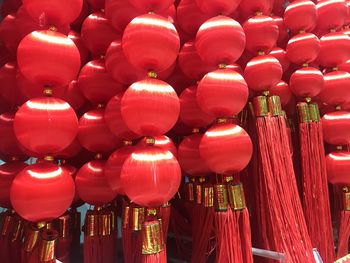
{"type": "Point", "coordinates": [47, 245]}
{"type": "Point", "coordinates": [236, 196]}
{"type": "Point", "coordinates": [220, 198]}
{"type": "Point", "coordinates": [260, 106]}
{"type": "Point", "coordinates": [274, 105]}
{"type": "Point", "coordinates": [208, 196]}
{"type": "Point", "coordinates": [31, 238]}
{"type": "Point", "coordinates": [303, 112]}
{"type": "Point", "coordinates": [152, 238]}
{"type": "Point", "coordinates": [138, 216]}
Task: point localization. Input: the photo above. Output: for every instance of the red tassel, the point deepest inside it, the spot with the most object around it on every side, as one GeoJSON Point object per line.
{"type": "Point", "coordinates": [47, 246]}
{"type": "Point", "coordinates": [281, 220]}
{"type": "Point", "coordinates": [107, 238]}
{"type": "Point", "coordinates": [91, 238]}
{"type": "Point", "coordinates": [5, 236]}
{"type": "Point", "coordinates": [30, 248]}
{"type": "Point", "coordinates": [16, 240]}
{"type": "Point", "coordinates": [164, 214]}
{"type": "Point", "coordinates": [126, 233]}
{"type": "Point", "coordinates": [65, 238]}
{"type": "Point", "coordinates": [344, 227]}
{"type": "Point", "coordinates": [75, 217]}
{"type": "Point", "coordinates": [153, 246]}
{"type": "Point", "coordinates": [314, 178]}
{"type": "Point", "coordinates": [137, 219]}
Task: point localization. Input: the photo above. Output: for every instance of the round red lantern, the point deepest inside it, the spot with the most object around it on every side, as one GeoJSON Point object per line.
{"type": "Point", "coordinates": [226, 148]}
{"type": "Point", "coordinates": [222, 93]}
{"type": "Point", "coordinates": [220, 40]}
{"type": "Point", "coordinates": [336, 88]}
{"type": "Point", "coordinates": [303, 48]}
{"type": "Point", "coordinates": [281, 55]}
{"type": "Point", "coordinates": [262, 73]}
{"type": "Point", "coordinates": [189, 156]}
{"type": "Point", "coordinates": [150, 107]}
{"type": "Point", "coordinates": [8, 172]}
{"type": "Point", "coordinates": [338, 165]}
{"type": "Point", "coordinates": [9, 143]}
{"type": "Point", "coordinates": [251, 7]}
{"type": "Point", "coordinates": [73, 95]}
{"type": "Point", "coordinates": [332, 14]}
{"type": "Point", "coordinates": [282, 90]}
{"type": "Point", "coordinates": [161, 141]}
{"type": "Point", "coordinates": [48, 58]}
{"type": "Point", "coordinates": [261, 33]}
{"type": "Point", "coordinates": [306, 82]}
{"type": "Point", "coordinates": [92, 185]}
{"type": "Point", "coordinates": [150, 176]}
{"type": "Point", "coordinates": [94, 134]}
{"type": "Point", "coordinates": [84, 53]}
{"type": "Point", "coordinates": [190, 112]}
{"type": "Point", "coordinates": [217, 7]}
{"type": "Point", "coordinates": [151, 5]}
{"type": "Point", "coordinates": [42, 192]}
{"type": "Point", "coordinates": [96, 84]}
{"type": "Point", "coordinates": [45, 125]}
{"type": "Point", "coordinates": [150, 42]}
{"type": "Point", "coordinates": [336, 127]}
{"type": "Point", "coordinates": [301, 15]}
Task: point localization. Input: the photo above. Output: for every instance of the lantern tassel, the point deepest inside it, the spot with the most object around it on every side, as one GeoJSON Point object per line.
{"type": "Point", "coordinates": [91, 238]}
{"type": "Point", "coordinates": [16, 240]}
{"type": "Point", "coordinates": [75, 217]}
{"type": "Point", "coordinates": [126, 232]}
{"type": "Point", "coordinates": [137, 219]}
{"type": "Point", "coordinates": [30, 247]}
{"type": "Point", "coordinates": [165, 212]}
{"type": "Point", "coordinates": [314, 181]}
{"type": "Point", "coordinates": [107, 238]}
{"type": "Point", "coordinates": [47, 246]}
{"type": "Point", "coordinates": [7, 226]}
{"type": "Point", "coordinates": [281, 220]}
{"type": "Point", "coordinates": [344, 226]}
{"type": "Point", "coordinates": [65, 238]}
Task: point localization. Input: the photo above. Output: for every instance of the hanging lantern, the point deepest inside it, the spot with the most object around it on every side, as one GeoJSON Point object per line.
{"type": "Point", "coordinates": [306, 82]}
{"type": "Point", "coordinates": [281, 55]}
{"type": "Point", "coordinates": [151, 5]}
{"type": "Point", "coordinates": [216, 7]}
{"type": "Point", "coordinates": [331, 14]}
{"type": "Point", "coordinates": [250, 7]}
{"type": "Point", "coordinates": [42, 192]}
{"type": "Point", "coordinates": [303, 48]}
{"type": "Point", "coordinates": [73, 95]}
{"type": "Point", "coordinates": [336, 127]}
{"type": "Point", "coordinates": [338, 164]}
{"type": "Point", "coordinates": [162, 142]}
{"type": "Point", "coordinates": [96, 4]}
{"type": "Point", "coordinates": [84, 53]}
{"type": "Point", "coordinates": [9, 34]}
{"type": "Point", "coordinates": [301, 15]}
{"type": "Point", "coordinates": [283, 91]}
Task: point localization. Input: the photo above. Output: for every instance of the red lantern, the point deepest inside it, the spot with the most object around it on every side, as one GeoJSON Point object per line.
{"type": "Point", "coordinates": [8, 172]}
{"type": "Point", "coordinates": [222, 93]}
{"type": "Point", "coordinates": [303, 48]}
{"type": "Point", "coordinates": [73, 95]}
{"type": "Point", "coordinates": [150, 176]}
{"type": "Point", "coordinates": [53, 12]}
{"type": "Point", "coordinates": [97, 33]}
{"type": "Point", "coordinates": [94, 134]}
{"type": "Point", "coordinates": [301, 15]}
{"type": "Point", "coordinates": [220, 40]}
{"type": "Point", "coordinates": [150, 42]}
{"type": "Point", "coordinates": [42, 192]}
{"type": "Point", "coordinates": [217, 7]}
{"type": "Point", "coordinates": [281, 55]}
{"type": "Point", "coordinates": [73, 173]}
{"type": "Point", "coordinates": [92, 185]}
{"type": "Point", "coordinates": [336, 127]}
{"type": "Point", "coordinates": [191, 64]}
{"type": "Point", "coordinates": [283, 34]}
{"type": "Point", "coordinates": [282, 90]}
{"type": "Point", "coordinates": [338, 165]}
{"type": "Point", "coordinates": [119, 68]}
{"type": "Point", "coordinates": [48, 58]}
{"type": "Point", "coordinates": [226, 148]}
{"type": "Point", "coordinates": [306, 82]}
{"type": "Point", "coordinates": [9, 143]}
{"type": "Point", "coordinates": [96, 84]}
{"type": "Point", "coordinates": [336, 88]}
{"type": "Point", "coordinates": [335, 49]}
{"type": "Point", "coordinates": [151, 5]}
{"type": "Point", "coordinates": [84, 53]}
{"type": "Point", "coordinates": [261, 33]}
{"type": "Point", "coordinates": [114, 119]}
{"type": "Point", "coordinates": [331, 14]}
{"type": "Point", "coordinates": [190, 112]}
{"type": "Point", "coordinates": [114, 166]}
{"type": "Point", "coordinates": [189, 156]}
{"type": "Point", "coordinates": [142, 104]}
{"type": "Point", "coordinates": [263, 73]}
{"type": "Point", "coordinates": [9, 34]}
{"type": "Point", "coordinates": [250, 7]}
{"type": "Point", "coordinates": [162, 142]}
{"type": "Point", "coordinates": [45, 125]}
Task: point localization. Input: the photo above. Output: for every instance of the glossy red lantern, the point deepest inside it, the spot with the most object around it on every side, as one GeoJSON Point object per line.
{"type": "Point", "coordinates": [150, 42]}
{"type": "Point", "coordinates": [303, 48]}
{"type": "Point", "coordinates": [53, 12]}
{"type": "Point", "coordinates": [142, 104]}
{"type": "Point", "coordinates": [151, 176]}
{"type": "Point", "coordinates": [97, 33]}
{"type": "Point", "coordinates": [8, 172]}
{"type": "Point", "coordinates": [114, 119]}
{"type": "Point", "coordinates": [306, 82]}
{"type": "Point", "coordinates": [217, 7]}
{"type": "Point", "coordinates": [114, 166]}
{"type": "Point", "coordinates": [161, 141]}
{"type": "Point", "coordinates": [8, 144]}
{"type": "Point", "coordinates": [190, 112]}
{"type": "Point", "coordinates": [226, 148]}
{"type": "Point", "coordinates": [45, 125]}
{"type": "Point", "coordinates": [151, 5]}
{"type": "Point", "coordinates": [42, 192]}
{"type": "Point", "coordinates": [9, 34]}
{"type": "Point", "coordinates": [301, 15]}
{"type": "Point", "coordinates": [335, 49]}
{"type": "Point", "coordinates": [251, 7]}
{"type": "Point", "coordinates": [94, 134]}
{"type": "Point", "coordinates": [84, 53]}
{"type": "Point", "coordinates": [283, 34]}
{"type": "Point", "coordinates": [92, 185]}
{"type": "Point", "coordinates": [282, 90]}
{"type": "Point", "coordinates": [119, 67]}
{"type": "Point", "coordinates": [336, 127]}
{"type": "Point", "coordinates": [261, 33]}
{"type": "Point", "coordinates": [96, 84]}
{"type": "Point", "coordinates": [73, 95]}
{"type": "Point", "coordinates": [189, 17]}
{"type": "Point", "coordinates": [338, 165]}
{"type": "Point", "coordinates": [189, 156]}
{"type": "Point", "coordinates": [281, 55]}
{"type": "Point", "coordinates": [332, 14]}
{"type": "Point", "coordinates": [222, 93]}
{"type": "Point", "coordinates": [336, 88]}
{"type": "Point", "coordinates": [220, 40]}
{"type": "Point", "coordinates": [191, 64]}
{"type": "Point", "coordinates": [48, 58]}
{"type": "Point", "coordinates": [262, 73]}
